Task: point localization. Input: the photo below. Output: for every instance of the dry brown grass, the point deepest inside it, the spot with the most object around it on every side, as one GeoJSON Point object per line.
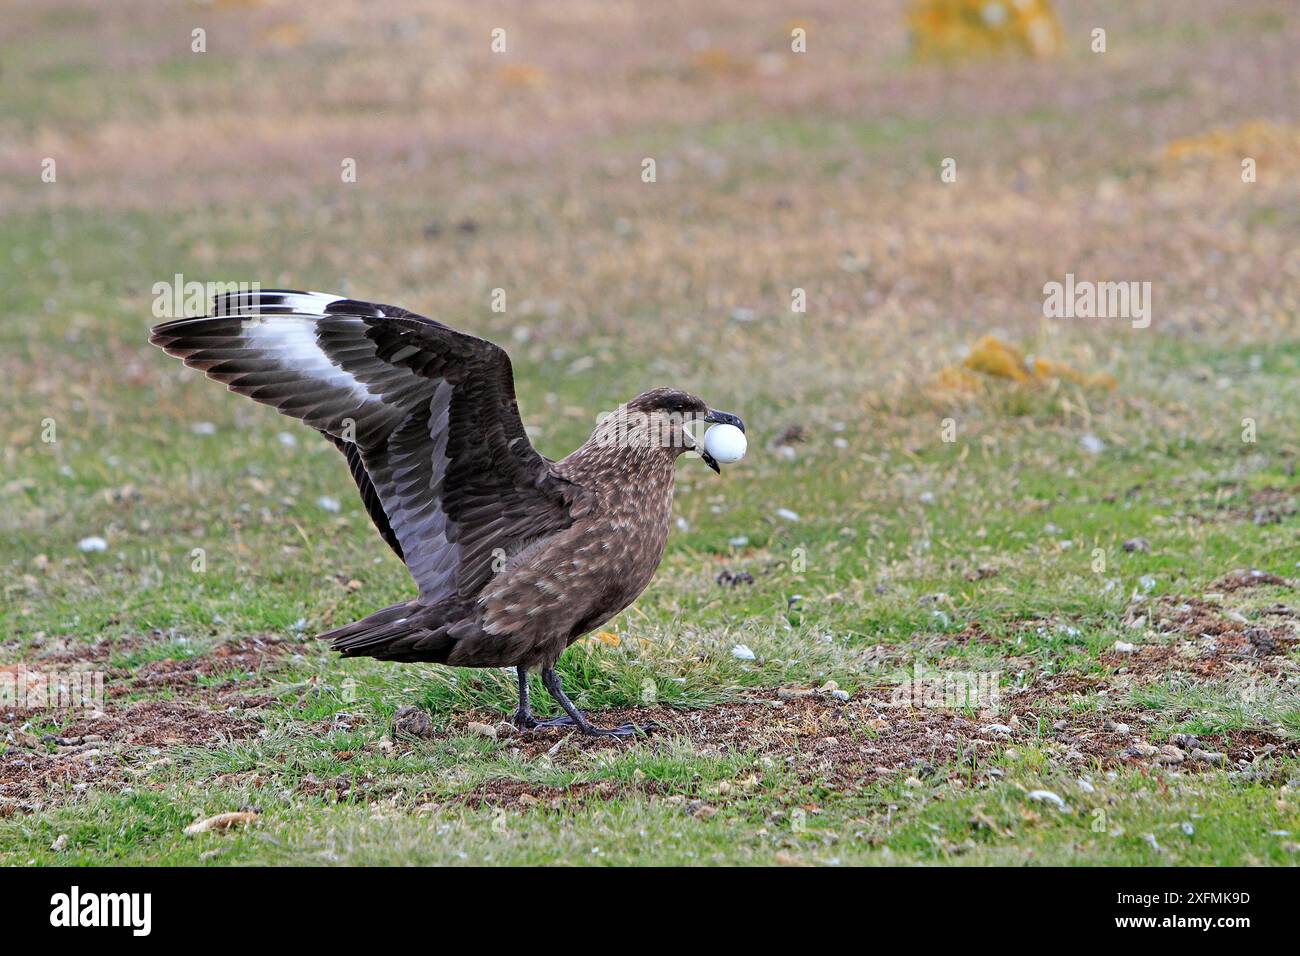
{"type": "Point", "coordinates": [775, 170]}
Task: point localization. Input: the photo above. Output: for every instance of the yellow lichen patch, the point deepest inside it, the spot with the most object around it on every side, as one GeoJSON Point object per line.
{"type": "Point", "coordinates": [956, 380]}
{"type": "Point", "coordinates": [948, 29]}
{"type": "Point", "coordinates": [1260, 140]}
{"type": "Point", "coordinates": [1045, 369]}
{"type": "Point", "coordinates": [992, 356]}
{"type": "Point", "coordinates": [282, 36]}
{"type": "Point", "coordinates": [521, 75]}
{"type": "Point", "coordinates": [608, 637]}
{"type": "Point", "coordinates": [715, 61]}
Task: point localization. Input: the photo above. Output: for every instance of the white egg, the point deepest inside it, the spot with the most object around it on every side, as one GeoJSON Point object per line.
{"type": "Point", "coordinates": [726, 443]}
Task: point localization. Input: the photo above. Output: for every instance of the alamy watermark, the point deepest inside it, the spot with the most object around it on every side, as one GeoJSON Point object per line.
{"type": "Point", "coordinates": [630, 428]}
{"type": "Point", "coordinates": [75, 908]}
{"type": "Point", "coordinates": [178, 299]}
{"type": "Point", "coordinates": [948, 690]}
{"type": "Point", "coordinates": [1098, 300]}
{"type": "Point", "coordinates": [30, 689]}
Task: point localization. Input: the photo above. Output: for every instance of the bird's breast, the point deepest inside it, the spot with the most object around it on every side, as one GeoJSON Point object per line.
{"type": "Point", "coordinates": [589, 572]}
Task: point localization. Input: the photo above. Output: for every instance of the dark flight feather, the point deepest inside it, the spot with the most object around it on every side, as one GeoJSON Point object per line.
{"type": "Point", "coordinates": [430, 412]}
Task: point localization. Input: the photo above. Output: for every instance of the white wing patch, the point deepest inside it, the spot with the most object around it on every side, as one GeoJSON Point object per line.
{"type": "Point", "coordinates": [274, 302]}
{"type": "Point", "coordinates": [292, 339]}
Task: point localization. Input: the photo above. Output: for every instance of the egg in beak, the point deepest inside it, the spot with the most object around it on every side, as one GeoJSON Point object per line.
{"type": "Point", "coordinates": [724, 440]}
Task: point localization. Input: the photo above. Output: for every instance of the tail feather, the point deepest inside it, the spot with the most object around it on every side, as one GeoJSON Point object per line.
{"type": "Point", "coordinates": [407, 632]}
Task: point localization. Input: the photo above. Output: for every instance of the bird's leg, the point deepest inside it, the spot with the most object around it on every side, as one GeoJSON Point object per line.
{"type": "Point", "coordinates": [551, 681]}
{"type": "Point", "coordinates": [524, 718]}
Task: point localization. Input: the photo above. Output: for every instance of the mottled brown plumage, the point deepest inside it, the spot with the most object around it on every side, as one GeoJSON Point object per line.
{"type": "Point", "coordinates": [516, 556]}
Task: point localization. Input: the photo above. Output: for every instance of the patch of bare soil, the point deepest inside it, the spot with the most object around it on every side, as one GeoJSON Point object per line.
{"type": "Point", "coordinates": [241, 663]}
{"type": "Point", "coordinates": [1267, 506]}
{"type": "Point", "coordinates": [842, 746]}
{"type": "Point", "coordinates": [164, 723]}
{"type": "Point", "coordinates": [816, 739]}
{"type": "Point", "coordinates": [30, 775]}
{"type": "Point", "coordinates": [972, 633]}
{"type": "Point", "coordinates": [1204, 640]}
{"type": "Point", "coordinates": [1243, 579]}
{"type": "Point", "coordinates": [1122, 735]}
{"type": "Point", "coordinates": [68, 654]}
{"type": "Point", "coordinates": [103, 749]}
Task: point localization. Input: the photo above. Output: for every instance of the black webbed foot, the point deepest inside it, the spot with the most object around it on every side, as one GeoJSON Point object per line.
{"type": "Point", "coordinates": [586, 727]}
{"type": "Point", "coordinates": [575, 718]}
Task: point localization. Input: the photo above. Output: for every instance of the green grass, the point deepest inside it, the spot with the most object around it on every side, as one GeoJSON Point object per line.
{"type": "Point", "coordinates": [1212, 821]}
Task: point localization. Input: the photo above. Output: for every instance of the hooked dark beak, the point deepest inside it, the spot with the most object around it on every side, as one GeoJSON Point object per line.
{"type": "Point", "coordinates": [716, 417]}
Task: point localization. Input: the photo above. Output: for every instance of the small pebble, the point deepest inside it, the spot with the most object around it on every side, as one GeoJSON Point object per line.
{"type": "Point", "coordinates": [1169, 754]}
{"type": "Point", "coordinates": [794, 693]}
{"type": "Point", "coordinates": [1046, 796]}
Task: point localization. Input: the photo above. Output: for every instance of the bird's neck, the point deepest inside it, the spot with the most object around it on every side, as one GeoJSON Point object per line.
{"type": "Point", "coordinates": [620, 468]}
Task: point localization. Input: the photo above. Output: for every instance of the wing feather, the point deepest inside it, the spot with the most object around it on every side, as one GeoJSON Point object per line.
{"type": "Point", "coordinates": [425, 415]}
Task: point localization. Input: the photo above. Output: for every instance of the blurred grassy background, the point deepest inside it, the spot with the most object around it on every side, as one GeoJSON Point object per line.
{"type": "Point", "coordinates": [521, 171]}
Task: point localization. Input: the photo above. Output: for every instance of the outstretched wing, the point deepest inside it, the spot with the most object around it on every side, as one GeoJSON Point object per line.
{"type": "Point", "coordinates": [431, 412]}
